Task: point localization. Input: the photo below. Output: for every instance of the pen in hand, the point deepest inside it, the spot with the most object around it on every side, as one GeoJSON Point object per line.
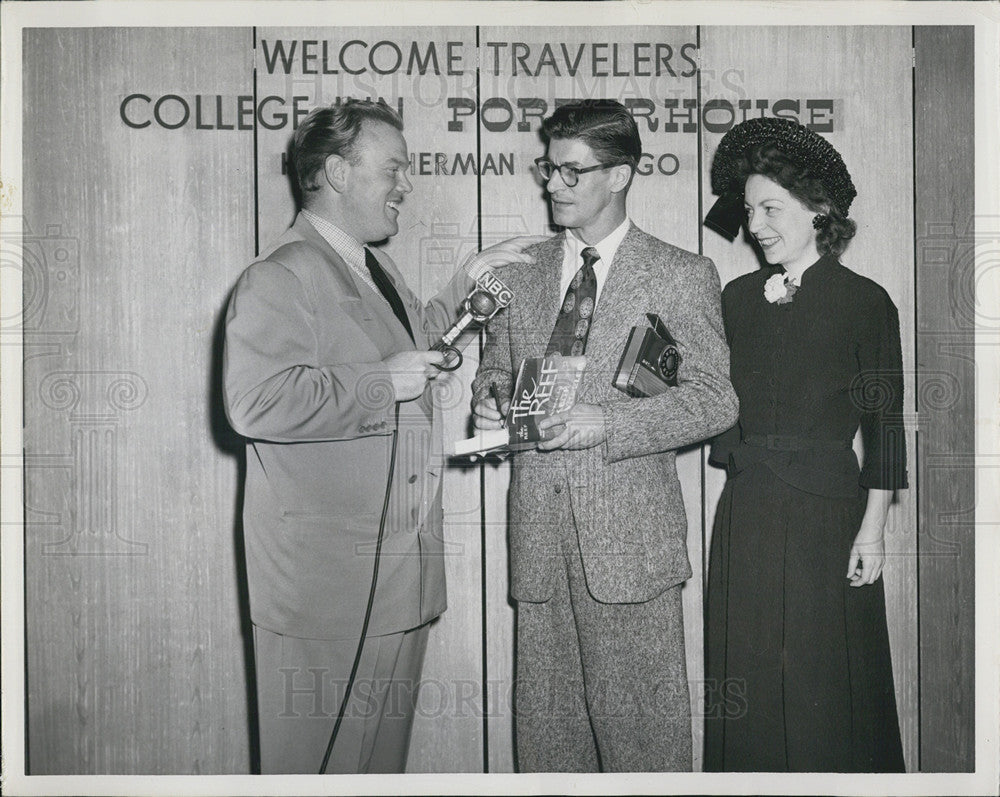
{"type": "Point", "coordinates": [495, 392]}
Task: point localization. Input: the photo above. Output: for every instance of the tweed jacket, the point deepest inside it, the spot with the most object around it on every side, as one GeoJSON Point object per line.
{"type": "Point", "coordinates": [303, 381]}
{"type": "Point", "coordinates": [623, 496]}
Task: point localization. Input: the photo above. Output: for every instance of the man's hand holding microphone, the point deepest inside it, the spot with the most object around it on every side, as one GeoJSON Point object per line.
{"type": "Point", "coordinates": [410, 371]}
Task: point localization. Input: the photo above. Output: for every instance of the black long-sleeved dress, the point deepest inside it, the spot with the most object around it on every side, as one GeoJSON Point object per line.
{"type": "Point", "coordinates": [797, 661]}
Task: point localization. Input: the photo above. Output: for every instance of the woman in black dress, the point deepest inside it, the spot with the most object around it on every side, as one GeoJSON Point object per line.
{"type": "Point", "coordinates": [797, 651]}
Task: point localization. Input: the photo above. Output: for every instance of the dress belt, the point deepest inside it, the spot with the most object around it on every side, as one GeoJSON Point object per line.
{"type": "Point", "coordinates": [782, 442]}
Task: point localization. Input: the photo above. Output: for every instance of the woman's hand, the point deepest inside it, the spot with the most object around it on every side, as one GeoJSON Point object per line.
{"type": "Point", "coordinates": [867, 557]}
{"type": "Point", "coordinates": [868, 551]}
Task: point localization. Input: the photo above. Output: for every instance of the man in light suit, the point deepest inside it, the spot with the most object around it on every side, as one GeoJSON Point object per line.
{"type": "Point", "coordinates": [325, 358]}
{"type": "Point", "coordinates": [597, 522]}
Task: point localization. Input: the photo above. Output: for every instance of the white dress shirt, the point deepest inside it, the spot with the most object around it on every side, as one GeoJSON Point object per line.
{"type": "Point", "coordinates": [573, 257]}
{"type": "Point", "coordinates": [347, 246]}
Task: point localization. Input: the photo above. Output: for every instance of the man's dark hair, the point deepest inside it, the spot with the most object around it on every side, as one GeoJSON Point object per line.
{"type": "Point", "coordinates": [333, 130]}
{"type": "Point", "coordinates": [604, 125]}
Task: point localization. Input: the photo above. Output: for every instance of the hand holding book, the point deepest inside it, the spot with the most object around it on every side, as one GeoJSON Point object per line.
{"type": "Point", "coordinates": [543, 412]}
{"type": "Point", "coordinates": [545, 386]}
{"type": "Point", "coordinates": [582, 426]}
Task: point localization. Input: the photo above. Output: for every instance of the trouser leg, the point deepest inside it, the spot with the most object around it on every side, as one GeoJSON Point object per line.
{"type": "Point", "coordinates": [635, 677]}
{"type": "Point", "coordinates": [552, 726]}
{"type": "Point", "coordinates": [300, 683]}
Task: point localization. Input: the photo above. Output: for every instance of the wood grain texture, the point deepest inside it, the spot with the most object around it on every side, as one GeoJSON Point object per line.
{"type": "Point", "coordinates": [135, 654]}
{"type": "Point", "coordinates": [945, 225]}
{"type": "Point", "coordinates": [137, 660]}
{"type": "Point", "coordinates": [857, 68]}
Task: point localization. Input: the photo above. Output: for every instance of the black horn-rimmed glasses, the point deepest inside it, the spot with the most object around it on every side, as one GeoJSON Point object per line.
{"type": "Point", "coordinates": [570, 174]}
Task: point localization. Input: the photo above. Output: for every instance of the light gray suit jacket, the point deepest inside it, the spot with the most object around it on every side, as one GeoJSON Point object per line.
{"type": "Point", "coordinates": [303, 381]}
{"type": "Point", "coordinates": [624, 494]}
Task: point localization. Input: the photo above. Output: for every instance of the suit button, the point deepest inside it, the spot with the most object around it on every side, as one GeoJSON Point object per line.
{"type": "Point", "coordinates": [412, 479]}
{"type": "Point", "coordinates": [558, 488]}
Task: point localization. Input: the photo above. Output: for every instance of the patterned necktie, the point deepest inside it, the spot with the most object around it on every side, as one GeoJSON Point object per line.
{"type": "Point", "coordinates": [569, 337]}
{"type": "Point", "coordinates": [384, 284]}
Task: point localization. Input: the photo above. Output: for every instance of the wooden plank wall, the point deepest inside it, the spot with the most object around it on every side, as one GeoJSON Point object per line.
{"type": "Point", "coordinates": [944, 97]}
{"type": "Point", "coordinates": [135, 659]}
{"type": "Point", "coordinates": [136, 611]}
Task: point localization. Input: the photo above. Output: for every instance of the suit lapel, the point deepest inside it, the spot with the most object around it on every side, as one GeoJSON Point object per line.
{"type": "Point", "coordinates": [409, 300]}
{"type": "Point", "coordinates": [340, 271]}
{"type": "Point", "coordinates": [539, 307]}
{"type": "Point", "coordinates": [372, 304]}
{"type": "Point", "coordinates": [618, 310]}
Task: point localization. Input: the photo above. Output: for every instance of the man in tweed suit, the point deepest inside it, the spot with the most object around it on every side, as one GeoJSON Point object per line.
{"type": "Point", "coordinates": [597, 522]}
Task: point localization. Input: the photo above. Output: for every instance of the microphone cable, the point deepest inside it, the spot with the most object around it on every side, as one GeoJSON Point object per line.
{"type": "Point", "coordinates": [371, 599]}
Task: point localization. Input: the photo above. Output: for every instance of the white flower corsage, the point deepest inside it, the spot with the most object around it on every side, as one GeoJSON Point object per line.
{"type": "Point", "coordinates": [780, 289]}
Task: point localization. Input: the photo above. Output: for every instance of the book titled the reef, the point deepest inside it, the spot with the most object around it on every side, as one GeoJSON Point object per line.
{"type": "Point", "coordinates": [544, 387]}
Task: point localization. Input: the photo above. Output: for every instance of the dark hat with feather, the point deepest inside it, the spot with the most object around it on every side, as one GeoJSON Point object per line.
{"type": "Point", "coordinates": [798, 143]}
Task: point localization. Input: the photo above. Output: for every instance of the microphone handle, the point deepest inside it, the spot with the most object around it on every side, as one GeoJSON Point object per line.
{"type": "Point", "coordinates": [452, 334]}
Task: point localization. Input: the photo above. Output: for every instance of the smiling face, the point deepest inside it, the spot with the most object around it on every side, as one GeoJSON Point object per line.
{"type": "Point", "coordinates": [781, 224]}
{"type": "Point", "coordinates": [374, 183]}
{"type": "Point", "coordinates": [595, 206]}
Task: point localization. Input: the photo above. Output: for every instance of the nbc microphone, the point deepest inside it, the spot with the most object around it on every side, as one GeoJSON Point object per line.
{"type": "Point", "coordinates": [486, 299]}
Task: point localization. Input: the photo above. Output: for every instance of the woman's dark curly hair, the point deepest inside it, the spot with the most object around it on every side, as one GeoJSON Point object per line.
{"type": "Point", "coordinates": [769, 160]}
